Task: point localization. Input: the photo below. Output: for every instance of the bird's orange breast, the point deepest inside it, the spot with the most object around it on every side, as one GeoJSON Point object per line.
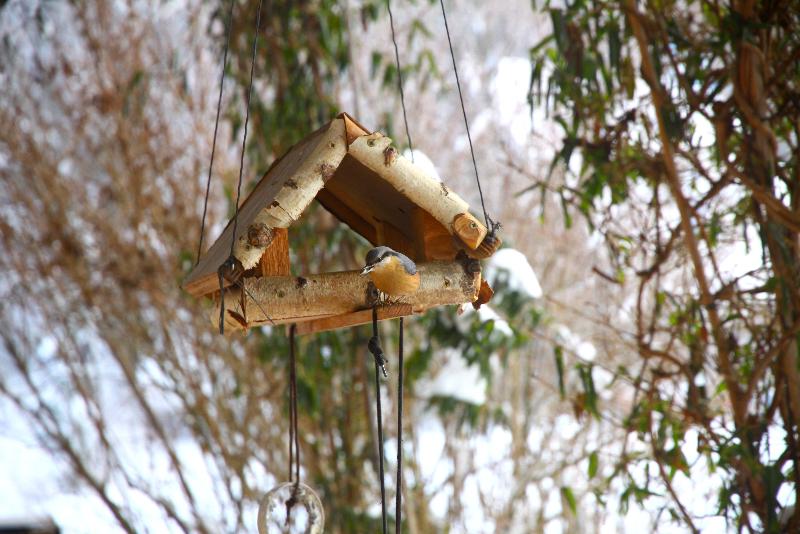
{"type": "Point", "coordinates": [393, 279]}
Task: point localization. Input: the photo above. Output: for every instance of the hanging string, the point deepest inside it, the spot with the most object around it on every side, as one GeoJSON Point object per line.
{"type": "Point", "coordinates": [246, 120]}
{"type": "Point", "coordinates": [221, 301]}
{"type": "Point", "coordinates": [292, 332]}
{"type": "Point", "coordinates": [400, 80]}
{"type": "Point", "coordinates": [228, 269]}
{"type": "Point", "coordinates": [294, 435]}
{"type": "Point", "coordinates": [291, 402]}
{"type": "Point", "coordinates": [490, 225]}
{"type": "Point", "coordinates": [241, 285]}
{"type": "Point", "coordinates": [398, 512]}
{"type": "Point", "coordinates": [216, 128]}
{"type": "Point", "coordinates": [380, 364]}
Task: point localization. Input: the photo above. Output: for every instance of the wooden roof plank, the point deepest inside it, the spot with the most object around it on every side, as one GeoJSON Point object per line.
{"type": "Point", "coordinates": [376, 152]}
{"type": "Point", "coordinates": [278, 200]}
{"type": "Point", "coordinates": [436, 242]}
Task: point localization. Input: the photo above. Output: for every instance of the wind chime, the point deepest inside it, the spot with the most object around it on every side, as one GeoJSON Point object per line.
{"type": "Point", "coordinates": [427, 248]}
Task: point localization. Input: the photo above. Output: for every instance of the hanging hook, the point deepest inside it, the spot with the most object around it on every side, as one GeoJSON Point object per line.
{"type": "Point", "coordinates": [270, 520]}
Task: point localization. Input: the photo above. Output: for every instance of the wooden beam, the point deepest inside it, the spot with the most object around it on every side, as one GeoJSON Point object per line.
{"type": "Point", "coordinates": [435, 241]}
{"type": "Point", "coordinates": [376, 152]}
{"type": "Point", "coordinates": [275, 260]}
{"type": "Point", "coordinates": [469, 229]}
{"type": "Point", "coordinates": [397, 240]}
{"type": "Point", "coordinates": [296, 299]}
{"type": "Point", "coordinates": [359, 317]}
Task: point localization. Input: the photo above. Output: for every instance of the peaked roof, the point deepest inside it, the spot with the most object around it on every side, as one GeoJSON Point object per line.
{"type": "Point", "coordinates": [362, 180]}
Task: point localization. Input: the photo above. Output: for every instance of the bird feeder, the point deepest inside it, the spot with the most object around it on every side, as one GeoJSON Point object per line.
{"type": "Point", "coordinates": [363, 181]}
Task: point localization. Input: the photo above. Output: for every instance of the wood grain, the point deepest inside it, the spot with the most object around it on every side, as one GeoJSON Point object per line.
{"type": "Point", "coordinates": [359, 317]}
{"type": "Point", "coordinates": [353, 128]}
{"type": "Point", "coordinates": [275, 260]}
{"type": "Point", "coordinates": [469, 229]}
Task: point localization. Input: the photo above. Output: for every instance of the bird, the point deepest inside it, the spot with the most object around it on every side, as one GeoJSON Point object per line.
{"type": "Point", "coordinates": [393, 273]}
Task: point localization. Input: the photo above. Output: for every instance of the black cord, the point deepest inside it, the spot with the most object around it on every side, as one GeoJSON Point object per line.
{"type": "Point", "coordinates": [293, 408]}
{"type": "Point", "coordinates": [294, 434]}
{"type": "Point", "coordinates": [292, 331]}
{"type": "Point", "coordinates": [216, 127]}
{"type": "Point", "coordinates": [377, 352]}
{"type": "Point", "coordinates": [466, 122]}
{"type": "Point", "coordinates": [292, 378]}
{"type": "Point", "coordinates": [246, 120]}
{"type": "Point", "coordinates": [230, 261]}
{"type": "Point", "coordinates": [398, 512]}
{"type": "Point", "coordinates": [398, 497]}
{"type": "Point", "coordinates": [221, 302]}
{"type": "Point", "coordinates": [400, 79]}
{"type": "Point", "coordinates": [241, 286]}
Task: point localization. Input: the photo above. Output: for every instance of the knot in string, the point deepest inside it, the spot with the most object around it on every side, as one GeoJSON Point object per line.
{"type": "Point", "coordinates": [232, 271]}
{"type": "Point", "coordinates": [374, 346]}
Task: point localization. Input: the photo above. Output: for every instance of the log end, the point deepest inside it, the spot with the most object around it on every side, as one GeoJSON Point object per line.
{"type": "Point", "coordinates": [469, 230]}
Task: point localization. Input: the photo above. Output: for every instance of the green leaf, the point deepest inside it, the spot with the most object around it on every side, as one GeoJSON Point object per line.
{"type": "Point", "coordinates": [590, 395]}
{"type": "Point", "coordinates": [714, 229]}
{"type": "Point", "coordinates": [614, 45]}
{"type": "Point", "coordinates": [627, 76]}
{"type": "Point", "coordinates": [559, 29]}
{"type": "Point", "coordinates": [418, 27]}
{"type": "Point", "coordinates": [417, 364]}
{"type": "Point", "coordinates": [676, 460]}
{"type": "Point", "coordinates": [538, 46]}
{"type": "Point", "coordinates": [673, 122]}
{"type": "Point", "coordinates": [568, 496]}
{"type": "Point", "coordinates": [375, 63]}
{"type": "Point", "coordinates": [565, 211]}
{"type": "Point", "coordinates": [558, 354]}
{"type": "Point", "coordinates": [593, 464]}
{"type": "Point", "coordinates": [130, 91]}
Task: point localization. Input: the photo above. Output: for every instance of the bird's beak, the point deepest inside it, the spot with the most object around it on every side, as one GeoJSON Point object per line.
{"type": "Point", "coordinates": [367, 269]}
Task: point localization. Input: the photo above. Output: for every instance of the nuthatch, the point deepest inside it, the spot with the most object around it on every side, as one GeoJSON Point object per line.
{"type": "Point", "coordinates": [391, 272]}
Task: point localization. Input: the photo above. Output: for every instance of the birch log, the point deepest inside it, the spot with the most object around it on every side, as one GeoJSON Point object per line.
{"type": "Point", "coordinates": [288, 299]}
{"type": "Point", "coordinates": [375, 151]}
{"type": "Point", "coordinates": [289, 203]}
{"type": "Point", "coordinates": [277, 201]}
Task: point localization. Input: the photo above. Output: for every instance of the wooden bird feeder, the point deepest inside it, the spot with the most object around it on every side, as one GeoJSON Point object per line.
{"type": "Point", "coordinates": [363, 181]}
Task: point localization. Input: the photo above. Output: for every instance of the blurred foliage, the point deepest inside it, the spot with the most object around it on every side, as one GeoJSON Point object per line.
{"type": "Point", "coordinates": [679, 125]}
{"type": "Point", "coordinates": [302, 51]}
{"type": "Point", "coordinates": [681, 160]}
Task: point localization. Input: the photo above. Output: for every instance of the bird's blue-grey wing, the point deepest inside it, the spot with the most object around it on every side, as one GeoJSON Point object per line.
{"type": "Point", "coordinates": [408, 264]}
